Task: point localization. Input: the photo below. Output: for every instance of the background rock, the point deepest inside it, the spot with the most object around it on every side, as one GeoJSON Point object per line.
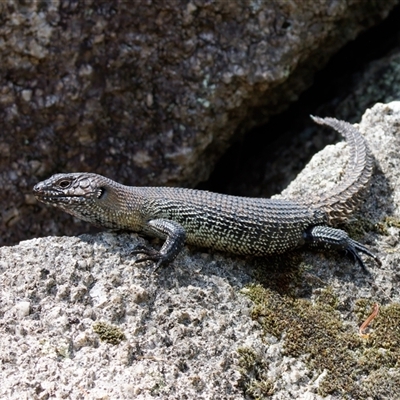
{"type": "Point", "coordinates": [364, 72]}
{"type": "Point", "coordinates": [151, 93]}
{"type": "Point", "coordinates": [187, 327]}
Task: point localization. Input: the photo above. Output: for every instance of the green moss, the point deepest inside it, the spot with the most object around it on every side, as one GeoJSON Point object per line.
{"type": "Point", "coordinates": [382, 347]}
{"type": "Point", "coordinates": [358, 227]}
{"type": "Point", "coordinates": [316, 331]}
{"type": "Point", "coordinates": [326, 298]}
{"type": "Point", "coordinates": [381, 228]}
{"type": "Point", "coordinates": [108, 333]}
{"type": "Point", "coordinates": [383, 383]}
{"type": "Point", "coordinates": [285, 272]}
{"type": "Point", "coordinates": [388, 222]}
{"type": "Point", "coordinates": [253, 370]}
{"type": "Point", "coordinates": [391, 221]}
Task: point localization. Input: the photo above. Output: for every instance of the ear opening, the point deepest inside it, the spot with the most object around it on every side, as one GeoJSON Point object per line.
{"type": "Point", "coordinates": [101, 192]}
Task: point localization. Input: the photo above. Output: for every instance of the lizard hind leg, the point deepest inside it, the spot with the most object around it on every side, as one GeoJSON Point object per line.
{"type": "Point", "coordinates": [325, 237]}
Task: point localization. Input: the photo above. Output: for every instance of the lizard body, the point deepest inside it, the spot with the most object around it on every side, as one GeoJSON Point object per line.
{"type": "Point", "coordinates": [241, 225]}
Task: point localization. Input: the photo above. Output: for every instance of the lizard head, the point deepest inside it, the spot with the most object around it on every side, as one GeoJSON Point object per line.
{"type": "Point", "coordinates": [81, 194]}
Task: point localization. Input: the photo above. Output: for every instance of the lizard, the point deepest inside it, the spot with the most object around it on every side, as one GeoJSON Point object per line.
{"type": "Point", "coordinates": [234, 224]}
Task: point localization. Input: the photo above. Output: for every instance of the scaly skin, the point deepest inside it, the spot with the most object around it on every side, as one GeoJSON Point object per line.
{"type": "Point", "coordinates": [240, 225]}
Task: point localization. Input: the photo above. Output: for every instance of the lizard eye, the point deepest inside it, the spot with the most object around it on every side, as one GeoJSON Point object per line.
{"type": "Point", "coordinates": [64, 184]}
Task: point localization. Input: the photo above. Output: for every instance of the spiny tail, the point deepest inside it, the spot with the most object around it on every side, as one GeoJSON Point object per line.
{"type": "Point", "coordinates": [343, 199]}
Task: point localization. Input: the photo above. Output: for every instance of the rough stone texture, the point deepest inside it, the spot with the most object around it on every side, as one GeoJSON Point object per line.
{"type": "Point", "coordinates": [148, 92]}
{"type": "Point", "coordinates": [181, 326]}
{"type": "Point", "coordinates": [184, 323]}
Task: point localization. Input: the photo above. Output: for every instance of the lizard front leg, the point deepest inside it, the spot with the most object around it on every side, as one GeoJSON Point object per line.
{"type": "Point", "coordinates": [174, 235]}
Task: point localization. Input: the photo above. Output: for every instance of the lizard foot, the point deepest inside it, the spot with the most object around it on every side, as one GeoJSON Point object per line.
{"type": "Point", "coordinates": [325, 237]}
{"type": "Point", "coordinates": [149, 254]}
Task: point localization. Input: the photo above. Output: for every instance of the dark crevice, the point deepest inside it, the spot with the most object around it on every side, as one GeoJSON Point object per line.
{"type": "Point", "coordinates": [242, 170]}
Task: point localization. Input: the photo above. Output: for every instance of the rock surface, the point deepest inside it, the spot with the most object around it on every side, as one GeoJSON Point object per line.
{"type": "Point", "coordinates": [149, 93]}
{"type": "Point", "coordinates": [181, 330]}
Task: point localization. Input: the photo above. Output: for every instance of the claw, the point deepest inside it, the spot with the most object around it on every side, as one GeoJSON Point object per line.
{"type": "Point", "coordinates": [355, 246]}
{"type": "Point", "coordinates": [142, 249]}
{"type": "Point", "coordinates": [149, 254]}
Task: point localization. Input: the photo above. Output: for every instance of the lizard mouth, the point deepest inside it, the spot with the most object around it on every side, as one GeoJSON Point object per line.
{"type": "Point", "coordinates": [58, 199]}
{"type": "Point", "coordinates": [55, 197]}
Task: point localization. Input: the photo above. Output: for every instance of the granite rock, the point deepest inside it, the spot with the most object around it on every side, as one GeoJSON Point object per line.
{"type": "Point", "coordinates": [181, 327]}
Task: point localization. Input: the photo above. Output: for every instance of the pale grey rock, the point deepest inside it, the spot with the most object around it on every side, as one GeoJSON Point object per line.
{"type": "Point", "coordinates": [181, 326]}
{"type": "Point", "coordinates": [184, 323]}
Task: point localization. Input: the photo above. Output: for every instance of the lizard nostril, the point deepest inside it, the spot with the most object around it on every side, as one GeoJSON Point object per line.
{"type": "Point", "coordinates": [37, 187]}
